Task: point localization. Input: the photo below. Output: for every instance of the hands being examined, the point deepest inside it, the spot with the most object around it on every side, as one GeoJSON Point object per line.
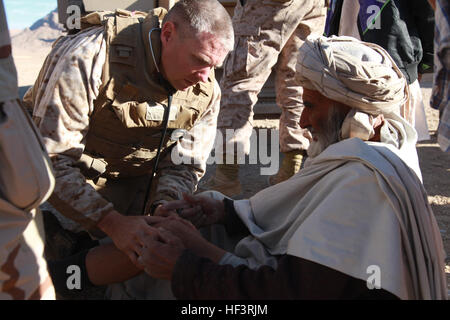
{"type": "Point", "coordinates": [177, 223]}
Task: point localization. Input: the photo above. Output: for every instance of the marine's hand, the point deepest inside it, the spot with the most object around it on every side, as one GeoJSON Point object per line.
{"type": "Point", "coordinates": [128, 233]}
{"type": "Point", "coordinates": [200, 210]}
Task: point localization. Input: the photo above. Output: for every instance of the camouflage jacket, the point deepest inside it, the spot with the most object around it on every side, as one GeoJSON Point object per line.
{"type": "Point", "coordinates": [63, 102]}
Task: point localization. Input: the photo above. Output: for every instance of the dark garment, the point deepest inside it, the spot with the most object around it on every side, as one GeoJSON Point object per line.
{"type": "Point", "coordinates": [406, 31]}
{"type": "Point", "coordinates": [233, 224]}
{"type": "Point", "coordinates": [295, 278]}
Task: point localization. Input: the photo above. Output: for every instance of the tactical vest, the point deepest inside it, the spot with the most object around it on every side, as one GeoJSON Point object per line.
{"type": "Point", "coordinates": [127, 123]}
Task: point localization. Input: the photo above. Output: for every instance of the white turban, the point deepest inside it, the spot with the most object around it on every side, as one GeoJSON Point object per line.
{"type": "Point", "coordinates": [363, 76]}
{"type": "Point", "coordinates": [359, 74]}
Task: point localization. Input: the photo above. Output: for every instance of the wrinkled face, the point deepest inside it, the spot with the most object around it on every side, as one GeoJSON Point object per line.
{"type": "Point", "coordinates": [323, 117]}
{"type": "Point", "coordinates": [186, 61]}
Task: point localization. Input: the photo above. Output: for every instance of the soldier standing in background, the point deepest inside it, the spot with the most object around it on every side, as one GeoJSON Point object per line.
{"type": "Point", "coordinates": [26, 180]}
{"type": "Point", "coordinates": [267, 34]}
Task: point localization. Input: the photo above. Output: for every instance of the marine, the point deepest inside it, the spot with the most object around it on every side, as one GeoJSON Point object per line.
{"type": "Point", "coordinates": [108, 100]}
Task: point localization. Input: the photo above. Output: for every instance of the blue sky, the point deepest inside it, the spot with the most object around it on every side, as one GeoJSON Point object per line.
{"type": "Point", "coordinates": [23, 13]}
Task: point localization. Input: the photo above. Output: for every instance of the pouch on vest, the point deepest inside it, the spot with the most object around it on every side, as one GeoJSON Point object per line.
{"type": "Point", "coordinates": [150, 114]}
{"type": "Point", "coordinates": [26, 177]}
{"type": "Point", "coordinates": [91, 167]}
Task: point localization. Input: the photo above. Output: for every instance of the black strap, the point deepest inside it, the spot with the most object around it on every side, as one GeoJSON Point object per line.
{"type": "Point", "coordinates": [155, 165]}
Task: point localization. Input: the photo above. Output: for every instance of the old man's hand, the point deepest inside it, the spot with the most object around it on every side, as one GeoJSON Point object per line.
{"type": "Point", "coordinates": [189, 236]}
{"type": "Point", "coordinates": [182, 228]}
{"type": "Point", "coordinates": [159, 255]}
{"type": "Point", "coordinates": [200, 210]}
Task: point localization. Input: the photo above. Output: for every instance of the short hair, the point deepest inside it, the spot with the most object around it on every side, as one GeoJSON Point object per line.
{"type": "Point", "coordinates": [203, 16]}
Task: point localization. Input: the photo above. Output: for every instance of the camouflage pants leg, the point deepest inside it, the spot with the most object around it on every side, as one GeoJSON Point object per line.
{"type": "Point", "coordinates": [23, 269]}
{"type": "Point", "coordinates": [262, 30]}
{"type": "Point", "coordinates": [289, 93]}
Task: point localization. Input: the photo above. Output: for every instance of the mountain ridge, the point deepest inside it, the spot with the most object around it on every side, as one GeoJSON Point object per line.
{"type": "Point", "coordinates": [40, 35]}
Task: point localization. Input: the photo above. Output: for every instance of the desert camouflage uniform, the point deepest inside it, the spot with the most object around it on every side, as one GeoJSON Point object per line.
{"type": "Point", "coordinates": [267, 33]}
{"type": "Point", "coordinates": [23, 270]}
{"type": "Point", "coordinates": [63, 102]}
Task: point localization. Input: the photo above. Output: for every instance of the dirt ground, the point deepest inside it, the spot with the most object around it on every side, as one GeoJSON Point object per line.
{"type": "Point", "coordinates": [434, 163]}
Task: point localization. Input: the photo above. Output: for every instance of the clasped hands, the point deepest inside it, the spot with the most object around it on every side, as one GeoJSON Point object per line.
{"type": "Point", "coordinates": [176, 224]}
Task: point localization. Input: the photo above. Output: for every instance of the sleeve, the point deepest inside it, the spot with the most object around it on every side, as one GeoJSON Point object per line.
{"type": "Point", "coordinates": [180, 171]}
{"type": "Point", "coordinates": [63, 99]}
{"type": "Point", "coordinates": [295, 278]}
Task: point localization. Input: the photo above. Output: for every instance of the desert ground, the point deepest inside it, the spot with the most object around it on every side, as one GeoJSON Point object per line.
{"type": "Point", "coordinates": [30, 47]}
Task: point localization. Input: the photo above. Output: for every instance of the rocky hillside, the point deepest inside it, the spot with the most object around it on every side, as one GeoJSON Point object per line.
{"type": "Point", "coordinates": [40, 35]}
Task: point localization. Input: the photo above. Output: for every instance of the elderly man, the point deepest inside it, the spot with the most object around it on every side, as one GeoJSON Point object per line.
{"type": "Point", "coordinates": [114, 98]}
{"type": "Point", "coordinates": [355, 223]}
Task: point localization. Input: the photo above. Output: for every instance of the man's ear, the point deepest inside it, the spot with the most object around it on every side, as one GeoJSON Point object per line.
{"type": "Point", "coordinates": [167, 32]}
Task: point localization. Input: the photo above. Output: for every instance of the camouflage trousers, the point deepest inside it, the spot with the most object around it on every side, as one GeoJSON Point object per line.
{"type": "Point", "coordinates": [23, 269]}
{"type": "Point", "coordinates": [267, 34]}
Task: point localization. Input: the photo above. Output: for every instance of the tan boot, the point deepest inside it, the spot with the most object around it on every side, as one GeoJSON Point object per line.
{"type": "Point", "coordinates": [290, 165]}
{"type": "Point", "coordinates": [226, 180]}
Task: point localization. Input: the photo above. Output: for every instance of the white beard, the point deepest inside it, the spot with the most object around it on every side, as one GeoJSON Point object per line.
{"type": "Point", "coordinates": [328, 135]}
{"type": "Point", "coordinates": [317, 145]}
